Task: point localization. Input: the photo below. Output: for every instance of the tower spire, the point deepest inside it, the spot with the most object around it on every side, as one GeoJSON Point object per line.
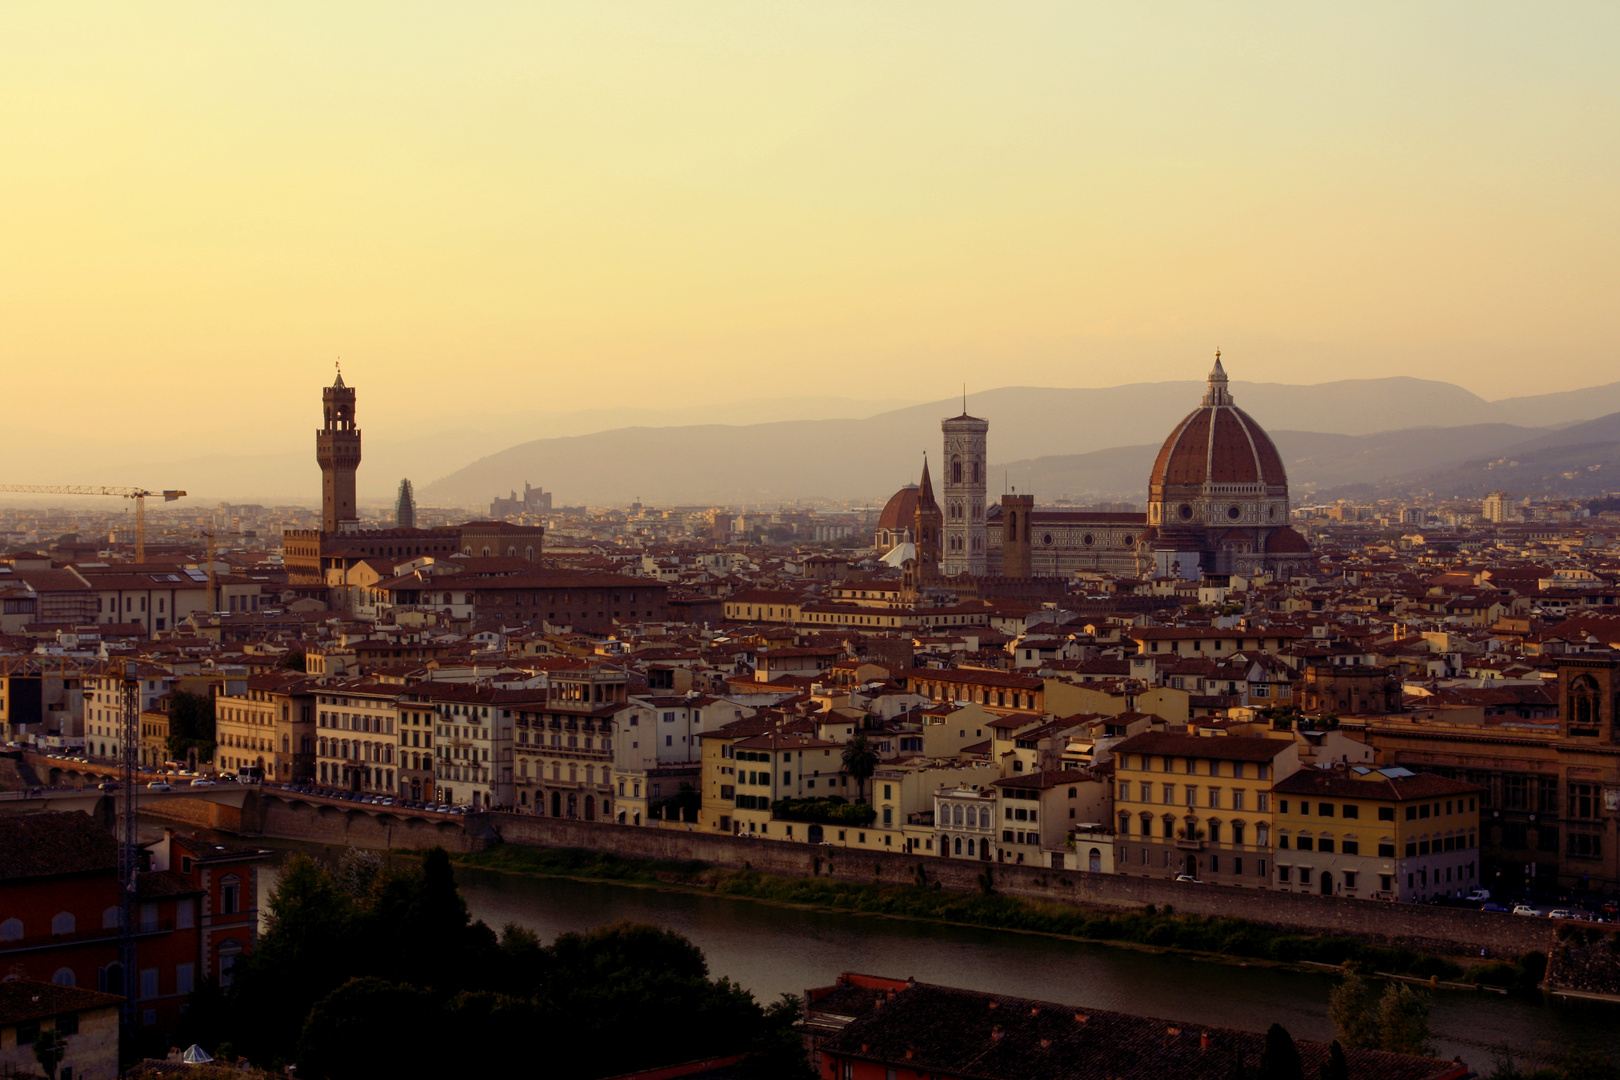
{"type": "Point", "coordinates": [1217, 393]}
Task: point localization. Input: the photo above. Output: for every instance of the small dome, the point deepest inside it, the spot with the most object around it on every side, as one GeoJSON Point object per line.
{"type": "Point", "coordinates": [1218, 443]}
{"type": "Point", "coordinates": [901, 511]}
{"type": "Point", "coordinates": [1286, 541]}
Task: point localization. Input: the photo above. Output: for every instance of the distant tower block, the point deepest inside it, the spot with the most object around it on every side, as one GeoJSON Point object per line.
{"type": "Point", "coordinates": [405, 507]}
{"type": "Point", "coordinates": [1017, 558]}
{"type": "Point", "coordinates": [966, 475]}
{"type": "Point", "coordinates": [337, 449]}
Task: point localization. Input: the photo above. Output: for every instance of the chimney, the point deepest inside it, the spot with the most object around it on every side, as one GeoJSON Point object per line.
{"type": "Point", "coordinates": [1172, 1031]}
{"type": "Point", "coordinates": [1080, 1018]}
{"type": "Point", "coordinates": [1203, 1041]}
{"type": "Point", "coordinates": [996, 1033]}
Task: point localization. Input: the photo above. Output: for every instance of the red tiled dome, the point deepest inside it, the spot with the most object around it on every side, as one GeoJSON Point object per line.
{"type": "Point", "coordinates": [901, 511]}
{"type": "Point", "coordinates": [1218, 443]}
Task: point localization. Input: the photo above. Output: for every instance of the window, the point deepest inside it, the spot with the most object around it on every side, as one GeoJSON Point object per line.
{"type": "Point", "coordinates": [1585, 801]}
{"type": "Point", "coordinates": [1351, 847]}
{"type": "Point", "coordinates": [1386, 851]}
{"type": "Point", "coordinates": [1583, 845]}
{"type": "Point", "coordinates": [185, 978]}
{"type": "Point", "coordinates": [65, 977]}
{"type": "Point", "coordinates": [1283, 873]}
{"type": "Point", "coordinates": [230, 895]}
{"type": "Point", "coordinates": [64, 923]}
{"type": "Point", "coordinates": [149, 983]}
{"type": "Point", "coordinates": [1324, 809]}
{"type": "Point", "coordinates": [1349, 879]}
{"type": "Point", "coordinates": [1386, 813]}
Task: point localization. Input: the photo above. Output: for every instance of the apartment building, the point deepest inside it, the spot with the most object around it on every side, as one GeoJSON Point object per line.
{"type": "Point", "coordinates": [355, 725]}
{"type": "Point", "coordinates": [563, 743]}
{"type": "Point", "coordinates": [269, 725]}
{"type": "Point", "coordinates": [1199, 806]}
{"type": "Point", "coordinates": [1384, 834]}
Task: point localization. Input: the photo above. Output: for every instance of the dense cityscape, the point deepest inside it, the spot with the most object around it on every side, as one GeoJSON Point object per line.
{"type": "Point", "coordinates": [1335, 711]}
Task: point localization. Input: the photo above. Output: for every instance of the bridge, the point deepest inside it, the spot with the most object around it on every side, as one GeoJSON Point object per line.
{"type": "Point", "coordinates": [246, 809]}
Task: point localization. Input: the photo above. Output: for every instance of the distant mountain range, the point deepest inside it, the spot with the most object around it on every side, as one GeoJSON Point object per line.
{"type": "Point", "coordinates": [1398, 433]}
{"type": "Point", "coordinates": [1355, 437]}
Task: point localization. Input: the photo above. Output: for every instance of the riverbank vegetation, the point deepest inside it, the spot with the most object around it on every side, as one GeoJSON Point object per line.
{"type": "Point", "coordinates": [1228, 937]}
{"type": "Point", "coordinates": [372, 971]}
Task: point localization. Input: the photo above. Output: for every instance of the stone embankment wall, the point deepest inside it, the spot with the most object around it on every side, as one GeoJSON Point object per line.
{"type": "Point", "coordinates": [317, 821]}
{"type": "Point", "coordinates": [1447, 931]}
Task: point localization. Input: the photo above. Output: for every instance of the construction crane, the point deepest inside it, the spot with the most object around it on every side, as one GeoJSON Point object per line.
{"type": "Point", "coordinates": [138, 494]}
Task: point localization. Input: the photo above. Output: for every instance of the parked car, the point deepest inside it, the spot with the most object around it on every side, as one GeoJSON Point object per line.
{"type": "Point", "coordinates": [1478, 896]}
{"type": "Point", "coordinates": [1526, 909]}
{"type": "Point", "coordinates": [159, 785]}
{"type": "Point", "coordinates": [108, 785]}
{"type": "Point", "coordinates": [1189, 877]}
{"type": "Point", "coordinates": [1562, 913]}
{"type": "Point", "coordinates": [202, 781]}
{"type": "Point", "coordinates": [1493, 907]}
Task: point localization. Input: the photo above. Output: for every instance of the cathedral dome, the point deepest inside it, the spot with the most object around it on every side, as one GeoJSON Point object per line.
{"type": "Point", "coordinates": [901, 510]}
{"type": "Point", "coordinates": [1218, 443]}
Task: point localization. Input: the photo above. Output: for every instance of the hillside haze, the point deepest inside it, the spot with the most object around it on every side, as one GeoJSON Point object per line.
{"type": "Point", "coordinates": [1440, 425]}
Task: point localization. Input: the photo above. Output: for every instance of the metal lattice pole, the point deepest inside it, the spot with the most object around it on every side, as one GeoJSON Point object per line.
{"type": "Point", "coordinates": [128, 844]}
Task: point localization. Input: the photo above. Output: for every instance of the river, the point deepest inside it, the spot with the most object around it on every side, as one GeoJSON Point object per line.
{"type": "Point", "coordinates": [774, 950]}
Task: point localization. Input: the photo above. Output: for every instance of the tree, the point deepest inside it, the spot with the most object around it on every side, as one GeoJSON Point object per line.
{"type": "Point", "coordinates": [1403, 1020]}
{"type": "Point", "coordinates": [1280, 1059]}
{"type": "Point", "coordinates": [191, 725]}
{"type": "Point", "coordinates": [860, 761]}
{"type": "Point", "coordinates": [1335, 1067]}
{"type": "Point", "coordinates": [49, 1048]}
{"type": "Point", "coordinates": [1352, 1009]}
{"type": "Point", "coordinates": [295, 661]}
{"type": "Point", "coordinates": [369, 1028]}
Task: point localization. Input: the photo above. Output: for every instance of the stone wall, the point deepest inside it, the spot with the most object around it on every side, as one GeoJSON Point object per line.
{"type": "Point", "coordinates": [1452, 931]}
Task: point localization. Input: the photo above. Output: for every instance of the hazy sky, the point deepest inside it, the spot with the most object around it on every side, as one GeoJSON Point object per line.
{"type": "Point", "coordinates": [580, 205]}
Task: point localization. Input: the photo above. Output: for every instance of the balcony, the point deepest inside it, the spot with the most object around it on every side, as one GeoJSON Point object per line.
{"type": "Point", "coordinates": [1189, 845]}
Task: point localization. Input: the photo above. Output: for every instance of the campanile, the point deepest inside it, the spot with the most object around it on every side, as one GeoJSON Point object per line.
{"type": "Point", "coordinates": [337, 449]}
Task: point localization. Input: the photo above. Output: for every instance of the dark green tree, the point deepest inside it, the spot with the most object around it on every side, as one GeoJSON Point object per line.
{"type": "Point", "coordinates": [1403, 1020]}
{"type": "Point", "coordinates": [49, 1049]}
{"type": "Point", "coordinates": [860, 762]}
{"type": "Point", "coordinates": [191, 725]}
{"type": "Point", "coordinates": [1280, 1059]}
{"type": "Point", "coordinates": [1335, 1067]}
{"type": "Point", "coordinates": [370, 1028]}
{"type": "Point", "coordinates": [295, 660]}
{"type": "Point", "coordinates": [1353, 1009]}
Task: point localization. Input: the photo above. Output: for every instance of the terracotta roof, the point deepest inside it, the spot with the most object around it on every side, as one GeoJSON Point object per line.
{"type": "Point", "coordinates": [1223, 747]}
{"type": "Point", "coordinates": [1347, 784]}
{"type": "Point", "coordinates": [954, 1032]}
{"type": "Point", "coordinates": [50, 844]}
{"type": "Point", "coordinates": [25, 999]}
{"type": "Point", "coordinates": [901, 510]}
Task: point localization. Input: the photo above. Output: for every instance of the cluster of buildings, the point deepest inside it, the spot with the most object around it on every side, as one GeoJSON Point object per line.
{"type": "Point", "coordinates": [1215, 687]}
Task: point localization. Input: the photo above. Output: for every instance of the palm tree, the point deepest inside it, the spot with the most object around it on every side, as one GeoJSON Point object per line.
{"type": "Point", "coordinates": [860, 761]}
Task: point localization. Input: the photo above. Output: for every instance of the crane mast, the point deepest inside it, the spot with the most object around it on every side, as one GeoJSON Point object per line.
{"type": "Point", "coordinates": [138, 494]}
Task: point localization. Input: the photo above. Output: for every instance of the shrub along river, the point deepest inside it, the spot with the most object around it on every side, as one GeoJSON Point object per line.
{"type": "Point", "coordinates": [773, 950]}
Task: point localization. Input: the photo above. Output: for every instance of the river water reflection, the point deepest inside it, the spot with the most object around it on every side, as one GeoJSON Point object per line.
{"type": "Point", "coordinates": [774, 950]}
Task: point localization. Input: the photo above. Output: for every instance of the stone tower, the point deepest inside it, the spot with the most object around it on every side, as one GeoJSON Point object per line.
{"type": "Point", "coordinates": [927, 530]}
{"type": "Point", "coordinates": [966, 475]}
{"type": "Point", "coordinates": [405, 506]}
{"type": "Point", "coordinates": [1017, 559]}
{"type": "Point", "coordinates": [337, 449]}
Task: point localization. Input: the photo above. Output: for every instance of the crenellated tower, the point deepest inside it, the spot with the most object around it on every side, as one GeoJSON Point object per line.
{"type": "Point", "coordinates": [337, 450]}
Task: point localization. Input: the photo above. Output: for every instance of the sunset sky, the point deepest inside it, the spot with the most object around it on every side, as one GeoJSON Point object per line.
{"type": "Point", "coordinates": [511, 206]}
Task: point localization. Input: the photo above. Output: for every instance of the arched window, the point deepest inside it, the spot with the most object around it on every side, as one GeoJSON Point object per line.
{"type": "Point", "coordinates": [11, 930]}
{"type": "Point", "coordinates": [959, 845]}
{"type": "Point", "coordinates": [65, 977]}
{"type": "Point", "coordinates": [1583, 710]}
{"type": "Point", "coordinates": [64, 923]}
{"type": "Point", "coordinates": [111, 919]}
{"type": "Point", "coordinates": [956, 470]}
{"type": "Point", "coordinates": [956, 815]}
